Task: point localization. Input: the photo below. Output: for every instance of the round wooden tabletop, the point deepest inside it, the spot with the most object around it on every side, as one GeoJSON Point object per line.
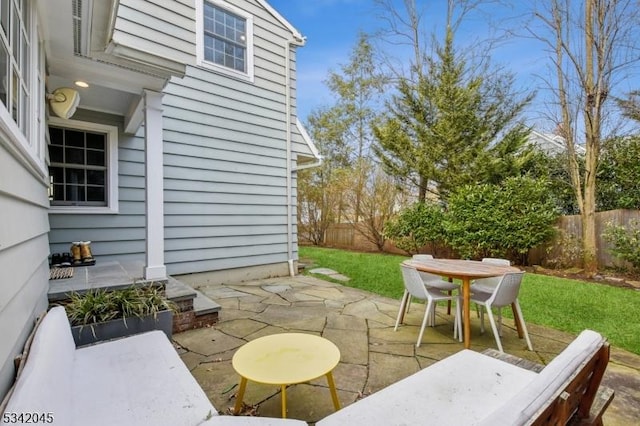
{"type": "Point", "coordinates": [286, 358]}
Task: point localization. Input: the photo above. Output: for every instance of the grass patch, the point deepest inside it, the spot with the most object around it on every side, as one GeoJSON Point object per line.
{"type": "Point", "coordinates": [560, 303]}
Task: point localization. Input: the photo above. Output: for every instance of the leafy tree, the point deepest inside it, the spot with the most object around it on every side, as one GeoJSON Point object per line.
{"type": "Point", "coordinates": [417, 226]}
{"type": "Point", "coordinates": [504, 220]}
{"type": "Point", "coordinates": [453, 128]}
{"type": "Point", "coordinates": [552, 168]}
{"type": "Point", "coordinates": [619, 175]}
{"type": "Point", "coordinates": [357, 88]}
{"type": "Point", "coordinates": [342, 189]}
{"type": "Point", "coordinates": [594, 47]}
{"type": "Point", "coordinates": [378, 200]}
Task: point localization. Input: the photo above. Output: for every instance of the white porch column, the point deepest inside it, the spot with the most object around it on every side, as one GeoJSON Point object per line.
{"type": "Point", "coordinates": [154, 206]}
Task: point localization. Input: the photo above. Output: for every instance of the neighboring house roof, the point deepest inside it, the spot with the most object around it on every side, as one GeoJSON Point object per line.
{"type": "Point", "coordinates": [550, 143]}
{"type": "Point", "coordinates": [305, 160]}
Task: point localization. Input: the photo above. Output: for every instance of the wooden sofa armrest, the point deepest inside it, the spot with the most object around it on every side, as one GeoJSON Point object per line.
{"type": "Point", "coordinates": [595, 396]}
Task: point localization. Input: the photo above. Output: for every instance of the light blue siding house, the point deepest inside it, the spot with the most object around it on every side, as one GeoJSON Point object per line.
{"type": "Point", "coordinates": [182, 152]}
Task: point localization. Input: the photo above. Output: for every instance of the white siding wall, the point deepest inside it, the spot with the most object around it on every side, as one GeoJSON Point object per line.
{"type": "Point", "coordinates": [23, 258]}
{"type": "Point", "coordinates": [159, 27]}
{"type": "Point", "coordinates": [225, 161]}
{"type": "Point", "coordinates": [224, 174]}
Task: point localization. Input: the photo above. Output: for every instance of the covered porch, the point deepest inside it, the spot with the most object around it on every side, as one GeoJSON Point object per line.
{"type": "Point", "coordinates": [118, 69]}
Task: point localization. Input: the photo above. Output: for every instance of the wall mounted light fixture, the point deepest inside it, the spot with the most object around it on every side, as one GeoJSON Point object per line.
{"type": "Point", "coordinates": [64, 101]}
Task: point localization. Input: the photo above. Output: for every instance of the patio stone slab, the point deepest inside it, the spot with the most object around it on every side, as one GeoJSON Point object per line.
{"type": "Point", "coordinates": [304, 402]}
{"type": "Point", "coordinates": [215, 379]}
{"type": "Point", "coordinates": [207, 341]}
{"type": "Point", "coordinates": [368, 310]}
{"type": "Point", "coordinates": [304, 318]}
{"type": "Point", "coordinates": [219, 292]}
{"type": "Point", "coordinates": [323, 271]}
{"type": "Point", "coordinates": [298, 296]}
{"type": "Point", "coordinates": [347, 377]}
{"type": "Point", "coordinates": [353, 345]}
{"type": "Point", "coordinates": [626, 383]}
{"type": "Point", "coordinates": [330, 273]}
{"type": "Point", "coordinates": [385, 369]}
{"type": "Point", "coordinates": [276, 288]}
{"type": "Point", "coordinates": [346, 322]}
{"type": "Point", "coordinates": [324, 293]}
{"type": "Point", "coordinates": [373, 355]}
{"type": "Point", "coordinates": [241, 327]}
{"type": "Point", "coordinates": [266, 331]}
{"type": "Point", "coordinates": [403, 349]}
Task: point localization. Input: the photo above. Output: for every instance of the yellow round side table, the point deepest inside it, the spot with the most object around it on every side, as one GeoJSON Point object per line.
{"type": "Point", "coordinates": [286, 359]}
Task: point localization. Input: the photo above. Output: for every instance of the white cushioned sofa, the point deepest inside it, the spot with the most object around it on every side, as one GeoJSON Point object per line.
{"type": "Point", "coordinates": [137, 380]}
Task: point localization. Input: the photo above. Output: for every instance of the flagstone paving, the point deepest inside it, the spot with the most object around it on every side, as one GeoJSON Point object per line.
{"type": "Point", "coordinates": [373, 355]}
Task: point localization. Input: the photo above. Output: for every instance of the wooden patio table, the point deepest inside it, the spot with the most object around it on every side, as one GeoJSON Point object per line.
{"type": "Point", "coordinates": [466, 271]}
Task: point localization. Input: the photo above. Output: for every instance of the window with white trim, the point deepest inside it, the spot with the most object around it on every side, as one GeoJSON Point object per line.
{"type": "Point", "coordinates": [22, 84]}
{"type": "Point", "coordinates": [225, 38]}
{"type": "Point", "coordinates": [83, 167]}
{"type": "Point", "coordinates": [15, 51]}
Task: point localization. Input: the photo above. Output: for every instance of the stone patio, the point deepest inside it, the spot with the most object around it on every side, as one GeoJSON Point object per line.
{"type": "Point", "coordinates": [372, 354]}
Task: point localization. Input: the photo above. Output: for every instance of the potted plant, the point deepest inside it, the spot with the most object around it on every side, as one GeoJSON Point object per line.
{"type": "Point", "coordinates": [103, 314]}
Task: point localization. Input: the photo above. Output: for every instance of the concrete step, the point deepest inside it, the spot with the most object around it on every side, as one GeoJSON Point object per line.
{"type": "Point", "coordinates": [202, 305]}
{"type": "Point", "coordinates": [178, 291]}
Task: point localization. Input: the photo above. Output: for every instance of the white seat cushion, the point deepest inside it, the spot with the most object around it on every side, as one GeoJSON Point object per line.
{"type": "Point", "coordinates": [138, 380]}
{"type": "Point", "coordinates": [525, 404]}
{"type": "Point", "coordinates": [45, 383]}
{"type": "Point", "coordinates": [459, 390]}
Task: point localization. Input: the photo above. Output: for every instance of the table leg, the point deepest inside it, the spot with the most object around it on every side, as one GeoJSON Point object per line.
{"type": "Point", "coordinates": [334, 393]}
{"type": "Point", "coordinates": [517, 320]}
{"type": "Point", "coordinates": [449, 301]}
{"type": "Point", "coordinates": [466, 305]}
{"type": "Point", "coordinates": [406, 297]}
{"type": "Point", "coordinates": [283, 394]}
{"type": "Point", "coordinates": [240, 396]}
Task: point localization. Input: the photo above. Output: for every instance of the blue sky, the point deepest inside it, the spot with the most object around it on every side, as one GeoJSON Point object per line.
{"type": "Point", "coordinates": [332, 26]}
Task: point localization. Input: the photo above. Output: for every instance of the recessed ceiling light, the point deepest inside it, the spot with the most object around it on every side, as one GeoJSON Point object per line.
{"type": "Point", "coordinates": [81, 83]}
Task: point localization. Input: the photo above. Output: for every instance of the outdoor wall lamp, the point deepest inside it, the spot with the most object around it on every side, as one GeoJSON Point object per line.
{"type": "Point", "coordinates": [64, 101]}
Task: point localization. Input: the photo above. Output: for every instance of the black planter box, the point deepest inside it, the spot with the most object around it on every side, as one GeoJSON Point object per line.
{"type": "Point", "coordinates": [88, 334]}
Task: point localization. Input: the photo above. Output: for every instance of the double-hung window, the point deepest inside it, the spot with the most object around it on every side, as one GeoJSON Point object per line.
{"type": "Point", "coordinates": [225, 38]}
{"type": "Point", "coordinates": [22, 82]}
{"type": "Point", "coordinates": [83, 167]}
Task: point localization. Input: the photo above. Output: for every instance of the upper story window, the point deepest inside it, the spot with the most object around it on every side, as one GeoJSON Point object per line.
{"type": "Point", "coordinates": [225, 39]}
{"type": "Point", "coordinates": [83, 167]}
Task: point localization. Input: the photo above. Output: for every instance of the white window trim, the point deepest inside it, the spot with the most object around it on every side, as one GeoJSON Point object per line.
{"type": "Point", "coordinates": [248, 76]}
{"type": "Point", "coordinates": [112, 167]}
{"type": "Point", "coordinates": [31, 155]}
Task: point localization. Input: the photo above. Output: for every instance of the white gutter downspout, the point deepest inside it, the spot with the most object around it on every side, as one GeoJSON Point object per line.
{"type": "Point", "coordinates": [288, 92]}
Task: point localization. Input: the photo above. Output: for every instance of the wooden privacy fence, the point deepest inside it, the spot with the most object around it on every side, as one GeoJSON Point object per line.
{"type": "Point", "coordinates": [565, 250]}
{"type": "Point", "coordinates": [568, 243]}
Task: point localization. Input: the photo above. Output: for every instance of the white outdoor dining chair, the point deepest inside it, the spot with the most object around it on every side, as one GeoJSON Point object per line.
{"type": "Point", "coordinates": [436, 281]}
{"type": "Point", "coordinates": [414, 287]}
{"type": "Point", "coordinates": [504, 294]}
{"type": "Point", "coordinates": [487, 285]}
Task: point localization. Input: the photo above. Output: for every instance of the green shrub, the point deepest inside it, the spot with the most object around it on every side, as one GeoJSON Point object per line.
{"type": "Point", "coordinates": [504, 220]}
{"type": "Point", "coordinates": [626, 242]}
{"type": "Point", "coordinates": [415, 227]}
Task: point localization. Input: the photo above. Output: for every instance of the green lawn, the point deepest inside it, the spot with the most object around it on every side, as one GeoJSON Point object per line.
{"type": "Point", "coordinates": [563, 304]}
